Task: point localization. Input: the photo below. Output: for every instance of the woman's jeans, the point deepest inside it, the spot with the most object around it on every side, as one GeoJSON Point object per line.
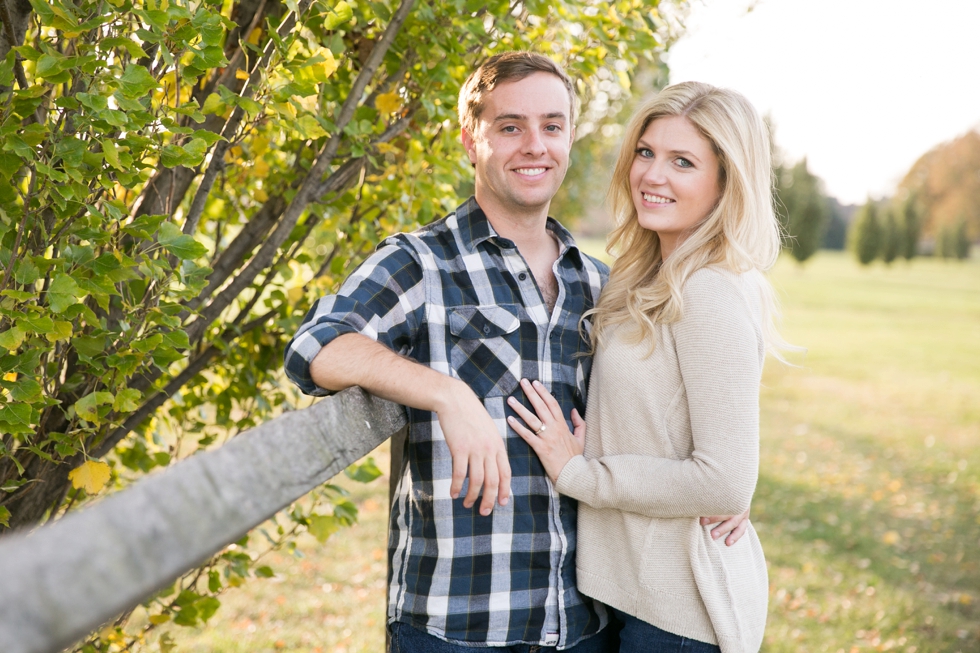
{"type": "Point", "coordinates": [637, 636]}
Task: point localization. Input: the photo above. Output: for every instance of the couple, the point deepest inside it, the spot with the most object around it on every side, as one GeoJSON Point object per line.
{"type": "Point", "coordinates": [512, 528]}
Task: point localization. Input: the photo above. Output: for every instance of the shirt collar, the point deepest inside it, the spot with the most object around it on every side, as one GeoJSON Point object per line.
{"type": "Point", "coordinates": [474, 228]}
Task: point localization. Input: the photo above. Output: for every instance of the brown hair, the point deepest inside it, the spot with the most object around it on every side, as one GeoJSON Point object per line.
{"type": "Point", "coordinates": [506, 67]}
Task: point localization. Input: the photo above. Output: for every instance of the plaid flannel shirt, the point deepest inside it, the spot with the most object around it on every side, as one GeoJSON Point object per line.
{"type": "Point", "coordinates": [462, 300]}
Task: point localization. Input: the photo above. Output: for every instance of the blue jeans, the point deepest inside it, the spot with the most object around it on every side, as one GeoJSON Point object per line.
{"type": "Point", "coordinates": [406, 639]}
{"type": "Point", "coordinates": [637, 636]}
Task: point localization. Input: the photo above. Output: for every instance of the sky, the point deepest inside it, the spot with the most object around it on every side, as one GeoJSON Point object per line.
{"type": "Point", "coordinates": [862, 88]}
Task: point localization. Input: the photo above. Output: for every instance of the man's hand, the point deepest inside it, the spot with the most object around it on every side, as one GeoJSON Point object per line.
{"type": "Point", "coordinates": [477, 449]}
{"type": "Point", "coordinates": [473, 439]}
{"type": "Point", "coordinates": [733, 526]}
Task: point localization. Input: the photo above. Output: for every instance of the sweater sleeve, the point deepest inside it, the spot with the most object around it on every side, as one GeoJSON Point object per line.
{"type": "Point", "coordinates": [717, 342]}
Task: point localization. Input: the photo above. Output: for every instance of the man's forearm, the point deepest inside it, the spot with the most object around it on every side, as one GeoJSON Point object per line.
{"type": "Point", "coordinates": [353, 359]}
{"type": "Point", "coordinates": [474, 442]}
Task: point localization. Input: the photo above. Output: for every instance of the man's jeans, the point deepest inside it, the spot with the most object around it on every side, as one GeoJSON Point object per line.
{"type": "Point", "coordinates": [406, 639]}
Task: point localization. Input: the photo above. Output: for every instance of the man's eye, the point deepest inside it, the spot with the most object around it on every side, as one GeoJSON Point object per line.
{"type": "Point", "coordinates": [553, 128]}
{"type": "Point", "coordinates": [510, 129]}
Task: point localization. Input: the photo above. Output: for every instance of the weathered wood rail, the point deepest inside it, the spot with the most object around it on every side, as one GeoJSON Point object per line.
{"type": "Point", "coordinates": [62, 581]}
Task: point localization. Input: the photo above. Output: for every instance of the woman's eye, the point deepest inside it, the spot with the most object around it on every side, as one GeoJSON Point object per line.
{"type": "Point", "coordinates": [684, 163]}
{"type": "Point", "coordinates": [646, 153]}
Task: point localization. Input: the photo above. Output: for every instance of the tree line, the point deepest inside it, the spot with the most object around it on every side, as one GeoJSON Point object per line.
{"type": "Point", "coordinates": [933, 211]}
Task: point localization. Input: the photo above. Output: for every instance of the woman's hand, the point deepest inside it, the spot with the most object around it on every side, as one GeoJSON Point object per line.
{"type": "Point", "coordinates": [546, 431]}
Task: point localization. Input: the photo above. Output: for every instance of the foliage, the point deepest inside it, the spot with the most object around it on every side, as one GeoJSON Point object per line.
{"type": "Point", "coordinates": [835, 235]}
{"type": "Point", "coordinates": [952, 242]}
{"type": "Point", "coordinates": [806, 211]}
{"type": "Point", "coordinates": [866, 233]}
{"type": "Point", "coordinates": [892, 236]}
{"type": "Point", "coordinates": [910, 222]}
{"type": "Point", "coordinates": [181, 179]}
{"type": "Point", "coordinates": [946, 185]}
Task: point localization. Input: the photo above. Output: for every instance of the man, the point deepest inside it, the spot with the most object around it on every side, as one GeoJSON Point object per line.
{"type": "Point", "coordinates": [446, 321]}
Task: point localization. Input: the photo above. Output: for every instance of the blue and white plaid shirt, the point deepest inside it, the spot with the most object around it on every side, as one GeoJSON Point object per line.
{"type": "Point", "coordinates": [462, 300]}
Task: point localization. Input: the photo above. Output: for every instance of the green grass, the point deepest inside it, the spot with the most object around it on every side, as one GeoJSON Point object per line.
{"type": "Point", "coordinates": [868, 504]}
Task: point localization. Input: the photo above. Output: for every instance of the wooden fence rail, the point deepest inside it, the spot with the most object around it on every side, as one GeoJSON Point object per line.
{"type": "Point", "coordinates": [62, 581]}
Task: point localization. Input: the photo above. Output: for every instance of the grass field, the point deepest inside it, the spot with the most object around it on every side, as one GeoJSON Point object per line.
{"type": "Point", "coordinates": [868, 504]}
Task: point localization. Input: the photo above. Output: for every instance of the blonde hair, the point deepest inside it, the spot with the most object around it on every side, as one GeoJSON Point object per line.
{"type": "Point", "coordinates": [741, 233]}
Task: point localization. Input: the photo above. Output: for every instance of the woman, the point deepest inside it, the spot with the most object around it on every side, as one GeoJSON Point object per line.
{"type": "Point", "coordinates": [679, 333]}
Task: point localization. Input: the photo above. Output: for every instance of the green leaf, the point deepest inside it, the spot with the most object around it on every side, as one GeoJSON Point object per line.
{"type": "Point", "coordinates": [164, 356]}
{"type": "Point", "coordinates": [89, 346]}
{"type": "Point", "coordinates": [4, 517]}
{"type": "Point", "coordinates": [365, 472]}
{"type": "Point", "coordinates": [265, 571]}
{"type": "Point", "coordinates": [178, 243]}
{"type": "Point", "coordinates": [26, 272]}
{"type": "Point", "coordinates": [323, 526]}
{"type": "Point", "coordinates": [134, 50]}
{"type": "Point", "coordinates": [144, 226]}
{"type": "Point", "coordinates": [206, 607]}
{"type": "Point", "coordinates": [25, 389]}
{"type": "Point", "coordinates": [127, 400]}
{"type": "Point", "coordinates": [62, 331]}
{"type": "Point", "coordinates": [111, 153]}
{"type": "Point", "coordinates": [39, 324]}
{"type": "Point", "coordinates": [15, 418]}
{"type": "Point", "coordinates": [49, 66]}
{"type": "Point", "coordinates": [62, 293]}
{"type": "Point", "coordinates": [309, 127]}
{"type": "Point", "coordinates": [340, 14]}
{"type": "Point", "coordinates": [87, 407]}
{"type": "Point", "coordinates": [137, 81]}
{"type": "Point", "coordinates": [213, 104]}
{"type": "Point", "coordinates": [11, 338]}
{"type": "Point", "coordinates": [195, 149]}
{"type": "Point", "coordinates": [177, 339]}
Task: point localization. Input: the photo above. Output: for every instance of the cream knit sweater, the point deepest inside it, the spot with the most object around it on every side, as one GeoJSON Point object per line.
{"type": "Point", "coordinates": [672, 437]}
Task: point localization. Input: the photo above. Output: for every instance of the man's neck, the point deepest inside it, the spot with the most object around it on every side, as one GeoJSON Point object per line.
{"type": "Point", "coordinates": [528, 229]}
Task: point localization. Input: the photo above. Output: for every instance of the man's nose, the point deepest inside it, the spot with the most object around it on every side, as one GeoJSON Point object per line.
{"type": "Point", "coordinates": [534, 143]}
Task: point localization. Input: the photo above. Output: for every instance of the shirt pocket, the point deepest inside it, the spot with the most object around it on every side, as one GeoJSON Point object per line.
{"type": "Point", "coordinates": [485, 347]}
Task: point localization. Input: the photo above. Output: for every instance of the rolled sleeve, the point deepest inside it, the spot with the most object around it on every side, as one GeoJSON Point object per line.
{"type": "Point", "coordinates": [384, 299]}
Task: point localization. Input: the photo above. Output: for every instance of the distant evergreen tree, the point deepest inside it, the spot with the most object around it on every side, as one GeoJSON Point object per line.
{"type": "Point", "coordinates": [911, 224]}
{"type": "Point", "coordinates": [960, 240]}
{"type": "Point", "coordinates": [892, 237]}
{"type": "Point", "coordinates": [865, 234]}
{"type": "Point", "coordinates": [805, 210]}
{"type": "Point", "coordinates": [835, 235]}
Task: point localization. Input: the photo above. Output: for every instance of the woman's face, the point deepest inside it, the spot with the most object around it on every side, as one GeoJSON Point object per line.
{"type": "Point", "coordinates": [674, 180]}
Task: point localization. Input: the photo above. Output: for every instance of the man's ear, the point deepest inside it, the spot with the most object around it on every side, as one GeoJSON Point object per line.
{"type": "Point", "coordinates": [469, 144]}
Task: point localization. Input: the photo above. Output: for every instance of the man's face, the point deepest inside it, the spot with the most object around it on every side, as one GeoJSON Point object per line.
{"type": "Point", "coordinates": [521, 144]}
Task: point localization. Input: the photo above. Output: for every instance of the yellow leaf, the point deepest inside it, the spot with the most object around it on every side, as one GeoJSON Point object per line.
{"type": "Point", "coordinates": [253, 38]}
{"type": "Point", "coordinates": [260, 195]}
{"type": "Point", "coordinates": [322, 70]}
{"type": "Point", "coordinates": [92, 475]}
{"type": "Point", "coordinates": [10, 376]}
{"type": "Point", "coordinates": [158, 619]}
{"type": "Point", "coordinates": [241, 74]}
{"type": "Point", "coordinates": [260, 168]}
{"type": "Point", "coordinates": [295, 294]}
{"type": "Point", "coordinates": [388, 102]}
{"type": "Point", "coordinates": [891, 537]}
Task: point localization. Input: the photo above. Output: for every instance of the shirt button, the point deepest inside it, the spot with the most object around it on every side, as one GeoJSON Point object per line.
{"type": "Point", "coordinates": [522, 276]}
{"type": "Point", "coordinates": [486, 329]}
